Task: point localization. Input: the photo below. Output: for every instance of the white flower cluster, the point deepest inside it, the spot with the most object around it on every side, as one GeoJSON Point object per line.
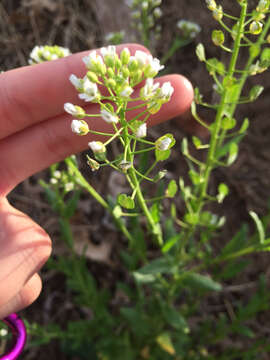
{"type": "Point", "coordinates": [188, 29]}
{"type": "Point", "coordinates": [146, 9]}
{"type": "Point", "coordinates": [61, 178]}
{"type": "Point", "coordinates": [47, 53]}
{"type": "Point", "coordinates": [120, 73]}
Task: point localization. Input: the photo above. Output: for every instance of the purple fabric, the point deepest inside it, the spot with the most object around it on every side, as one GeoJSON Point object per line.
{"type": "Point", "coordinates": [19, 337]}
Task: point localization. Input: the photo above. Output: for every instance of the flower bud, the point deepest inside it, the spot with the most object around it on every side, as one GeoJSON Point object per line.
{"type": "Point", "coordinates": [141, 131]}
{"type": "Point", "coordinates": [109, 117]}
{"type": "Point", "coordinates": [133, 64]}
{"type": "Point", "coordinates": [218, 13]}
{"type": "Point", "coordinates": [74, 110]}
{"type": "Point", "coordinates": [211, 4]}
{"type": "Point", "coordinates": [137, 76]}
{"type": "Point", "coordinates": [126, 91]}
{"type": "Point", "coordinates": [98, 149]}
{"type": "Point", "coordinates": [79, 127]}
{"type": "Point", "coordinates": [125, 72]}
{"type": "Point", "coordinates": [92, 76]}
{"type": "Point", "coordinates": [125, 56]}
{"type": "Point", "coordinates": [165, 142]}
{"type": "Point", "coordinates": [263, 6]}
{"type": "Point", "coordinates": [111, 83]}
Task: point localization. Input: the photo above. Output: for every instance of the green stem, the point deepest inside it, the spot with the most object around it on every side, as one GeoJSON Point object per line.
{"type": "Point", "coordinates": [210, 161]}
{"type": "Point", "coordinates": [84, 183]}
{"type": "Point", "coordinates": [155, 229]}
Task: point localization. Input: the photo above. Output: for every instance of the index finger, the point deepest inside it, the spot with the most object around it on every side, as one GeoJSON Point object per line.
{"type": "Point", "coordinates": [32, 94]}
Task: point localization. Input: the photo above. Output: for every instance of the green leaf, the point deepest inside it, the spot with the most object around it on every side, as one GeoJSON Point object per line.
{"type": "Point", "coordinates": [243, 330]}
{"type": "Point", "coordinates": [170, 243]}
{"type": "Point", "coordinates": [174, 318]}
{"type": "Point", "coordinates": [226, 148]}
{"type": "Point", "coordinates": [202, 282]}
{"type": "Point", "coordinates": [125, 201]}
{"type": "Point", "coordinates": [259, 226]}
{"type": "Point", "coordinates": [155, 212]}
{"type": "Point", "coordinates": [165, 342]}
{"type": "Point", "coordinates": [158, 266]}
{"type": "Point", "coordinates": [223, 191]}
{"type": "Point", "coordinates": [71, 205]}
{"type": "Point", "coordinates": [200, 52]}
{"type": "Point", "coordinates": [237, 243]}
{"type": "Point", "coordinates": [144, 278]}
{"type": "Point", "coordinates": [191, 218]}
{"type": "Point", "coordinates": [172, 189]}
{"type": "Point", "coordinates": [66, 233]}
{"type": "Point", "coordinates": [233, 152]}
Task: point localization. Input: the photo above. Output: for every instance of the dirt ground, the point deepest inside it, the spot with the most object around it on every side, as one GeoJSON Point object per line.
{"type": "Point", "coordinates": [81, 25]}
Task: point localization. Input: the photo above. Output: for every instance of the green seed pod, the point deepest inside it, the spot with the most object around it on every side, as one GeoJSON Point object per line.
{"type": "Point", "coordinates": [218, 37]}
{"type": "Point", "coordinates": [255, 27]}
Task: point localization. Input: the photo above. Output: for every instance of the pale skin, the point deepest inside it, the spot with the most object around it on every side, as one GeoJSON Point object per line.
{"type": "Point", "coordinates": [35, 133]}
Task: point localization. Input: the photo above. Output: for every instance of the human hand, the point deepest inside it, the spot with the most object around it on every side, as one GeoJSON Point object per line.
{"type": "Point", "coordinates": [35, 133]}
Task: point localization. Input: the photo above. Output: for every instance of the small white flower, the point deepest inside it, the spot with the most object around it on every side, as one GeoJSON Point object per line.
{"type": "Point", "coordinates": [3, 332]}
{"type": "Point", "coordinates": [93, 60]}
{"type": "Point", "coordinates": [141, 131]}
{"type": "Point", "coordinates": [70, 109]}
{"type": "Point", "coordinates": [109, 117]}
{"type": "Point", "coordinates": [164, 144]}
{"type": "Point", "coordinates": [79, 127]}
{"type": "Point", "coordinates": [157, 12]}
{"type": "Point", "coordinates": [69, 186]}
{"type": "Point", "coordinates": [166, 91]}
{"type": "Point", "coordinates": [155, 65]}
{"type": "Point", "coordinates": [90, 91]}
{"type": "Point", "coordinates": [149, 89]}
{"type": "Point", "coordinates": [126, 92]}
{"type": "Point", "coordinates": [144, 5]}
{"type": "Point", "coordinates": [53, 181]}
{"type": "Point", "coordinates": [57, 174]}
{"type": "Point", "coordinates": [108, 51]}
{"type": "Point", "coordinates": [142, 57]}
{"type": "Point", "coordinates": [96, 146]}
{"type": "Point", "coordinates": [75, 81]}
